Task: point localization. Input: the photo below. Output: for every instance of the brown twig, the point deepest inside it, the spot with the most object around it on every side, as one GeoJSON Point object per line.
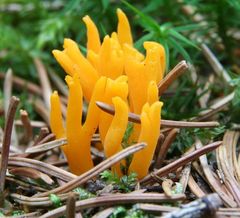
{"type": "Point", "coordinates": [7, 90]}
{"type": "Point", "coordinates": [96, 170]}
{"type": "Point", "coordinates": [31, 173]}
{"type": "Point", "coordinates": [233, 144]}
{"type": "Point", "coordinates": [229, 212]}
{"type": "Point", "coordinates": [27, 128]}
{"type": "Point", "coordinates": [164, 123]}
{"type": "Point", "coordinates": [105, 213]}
{"type": "Point", "coordinates": [153, 208]}
{"type": "Point", "coordinates": [182, 161]}
{"type": "Point", "coordinates": [178, 70]}
{"type": "Point", "coordinates": [24, 184]}
{"type": "Point", "coordinates": [44, 80]}
{"type": "Point", "coordinates": [225, 164]}
{"type": "Point", "coordinates": [211, 180]}
{"type": "Point", "coordinates": [29, 215]}
{"type": "Point", "coordinates": [6, 144]}
{"type": "Point", "coordinates": [44, 131]}
{"type": "Point", "coordinates": [47, 138]}
{"type": "Point", "coordinates": [33, 123]}
{"type": "Point", "coordinates": [216, 107]}
{"type": "Point", "coordinates": [203, 100]}
{"type": "Point", "coordinates": [194, 187]}
{"type": "Point", "coordinates": [165, 146]}
{"type": "Point", "coordinates": [216, 65]}
{"type": "Point", "coordinates": [7, 98]}
{"type": "Point", "coordinates": [113, 199]}
{"type": "Point", "coordinates": [47, 146]}
{"type": "Point", "coordinates": [167, 187]}
{"type": "Point", "coordinates": [40, 202]}
{"type": "Point", "coordinates": [185, 176]}
{"type": "Point", "coordinates": [41, 166]}
{"type": "Point", "coordinates": [71, 206]}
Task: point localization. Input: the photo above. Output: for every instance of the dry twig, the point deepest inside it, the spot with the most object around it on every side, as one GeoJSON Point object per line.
{"type": "Point", "coordinates": [225, 164]}
{"type": "Point", "coordinates": [7, 99]}
{"type": "Point", "coordinates": [216, 65]}
{"type": "Point", "coordinates": [41, 166]}
{"type": "Point", "coordinates": [70, 207]}
{"type": "Point", "coordinates": [6, 144]}
{"type": "Point", "coordinates": [178, 70]}
{"type": "Point", "coordinates": [96, 170]}
{"type": "Point", "coordinates": [165, 146]}
{"type": "Point", "coordinates": [27, 128]}
{"type": "Point", "coordinates": [31, 173]}
{"type": "Point", "coordinates": [194, 187]}
{"type": "Point", "coordinates": [164, 123]}
{"type": "Point", "coordinates": [45, 84]}
{"type": "Point", "coordinates": [116, 198]}
{"type": "Point", "coordinates": [211, 179]}
{"type": "Point", "coordinates": [182, 161]}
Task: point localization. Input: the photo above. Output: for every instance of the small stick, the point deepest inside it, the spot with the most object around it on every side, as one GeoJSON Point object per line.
{"type": "Point", "coordinates": [7, 90]}
{"type": "Point", "coordinates": [47, 146]}
{"type": "Point", "coordinates": [216, 107]}
{"type": "Point", "coordinates": [24, 185]}
{"type": "Point", "coordinates": [164, 123]}
{"type": "Point", "coordinates": [230, 212]}
{"type": "Point", "coordinates": [71, 206]}
{"type": "Point", "coordinates": [42, 134]}
{"type": "Point", "coordinates": [178, 70]}
{"type": "Point", "coordinates": [185, 176]}
{"type": "Point", "coordinates": [110, 200]}
{"type": "Point", "coordinates": [167, 187]}
{"type": "Point", "coordinates": [235, 136]}
{"type": "Point", "coordinates": [27, 128]}
{"type": "Point", "coordinates": [203, 100]}
{"type": "Point", "coordinates": [45, 84]}
{"type": "Point", "coordinates": [182, 161]}
{"type": "Point", "coordinates": [47, 168]}
{"type": "Point", "coordinates": [194, 187]}
{"type": "Point", "coordinates": [153, 208]}
{"type": "Point", "coordinates": [31, 173]}
{"type": "Point", "coordinates": [33, 123]}
{"type": "Point", "coordinates": [226, 165]}
{"type": "Point", "coordinates": [165, 146]}
{"type": "Point", "coordinates": [34, 202]}
{"type": "Point", "coordinates": [216, 65]}
{"type": "Point", "coordinates": [47, 138]}
{"type": "Point", "coordinates": [212, 181]}
{"type": "Point", "coordinates": [6, 144]}
{"type": "Point", "coordinates": [29, 215]}
{"type": "Point", "coordinates": [96, 170]}
{"type": "Point", "coordinates": [104, 213]}
{"type": "Point", "coordinates": [7, 98]}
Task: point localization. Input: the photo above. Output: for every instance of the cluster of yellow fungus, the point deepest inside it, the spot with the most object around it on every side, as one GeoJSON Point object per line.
{"type": "Point", "coordinates": [113, 72]}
